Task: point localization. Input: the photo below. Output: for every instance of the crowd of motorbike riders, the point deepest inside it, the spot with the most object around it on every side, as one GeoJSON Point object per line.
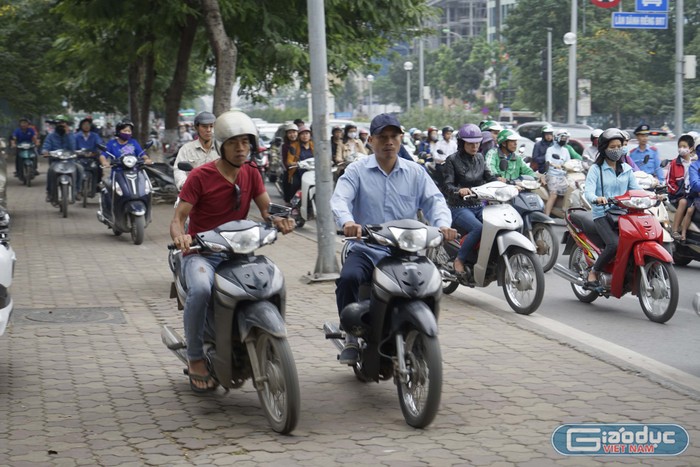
{"type": "Point", "coordinates": [457, 161]}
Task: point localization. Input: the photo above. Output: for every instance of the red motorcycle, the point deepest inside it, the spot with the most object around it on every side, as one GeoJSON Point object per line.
{"type": "Point", "coordinates": [641, 266]}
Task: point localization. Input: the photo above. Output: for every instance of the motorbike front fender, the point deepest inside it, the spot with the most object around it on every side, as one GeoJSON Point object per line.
{"type": "Point", "coordinates": [137, 208]}
{"type": "Point", "coordinates": [65, 179]}
{"type": "Point", "coordinates": [537, 217]}
{"type": "Point", "coordinates": [507, 239]}
{"type": "Point", "coordinates": [651, 249]}
{"type": "Point", "coordinates": [416, 313]}
{"type": "Point", "coordinates": [263, 315]}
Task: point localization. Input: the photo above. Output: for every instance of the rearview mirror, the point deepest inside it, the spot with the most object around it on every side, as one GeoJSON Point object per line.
{"type": "Point", "coordinates": [185, 166]}
{"type": "Point", "coordinates": [503, 164]}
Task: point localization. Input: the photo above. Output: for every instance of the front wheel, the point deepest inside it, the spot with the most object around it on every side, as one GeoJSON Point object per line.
{"type": "Point", "coordinates": [65, 190]}
{"type": "Point", "coordinates": [138, 227]}
{"type": "Point", "coordinates": [524, 291]}
{"type": "Point", "coordinates": [660, 300]}
{"type": "Point", "coordinates": [85, 191]}
{"type": "Point", "coordinates": [279, 391]}
{"type": "Point", "coordinates": [420, 388]}
{"type": "Point", "coordinates": [546, 245]}
{"type": "Point", "coordinates": [27, 175]}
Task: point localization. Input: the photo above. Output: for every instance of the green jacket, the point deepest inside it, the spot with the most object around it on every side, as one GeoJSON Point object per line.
{"type": "Point", "coordinates": [573, 153]}
{"type": "Point", "coordinates": [516, 167]}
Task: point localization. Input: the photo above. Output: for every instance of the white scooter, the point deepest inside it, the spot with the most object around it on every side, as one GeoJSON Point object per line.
{"type": "Point", "coordinates": [504, 254]}
{"type": "Point", "coordinates": [7, 268]}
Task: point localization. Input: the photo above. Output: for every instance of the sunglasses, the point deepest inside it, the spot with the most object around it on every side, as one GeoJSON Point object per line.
{"type": "Point", "coordinates": [237, 197]}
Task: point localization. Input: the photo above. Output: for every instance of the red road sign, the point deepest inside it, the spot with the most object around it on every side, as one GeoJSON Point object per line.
{"type": "Point", "coordinates": [606, 3]}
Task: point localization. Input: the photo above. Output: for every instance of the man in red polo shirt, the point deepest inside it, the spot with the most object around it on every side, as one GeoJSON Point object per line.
{"type": "Point", "coordinates": [215, 193]}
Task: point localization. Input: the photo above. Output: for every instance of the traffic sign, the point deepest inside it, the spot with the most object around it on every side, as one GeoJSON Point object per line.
{"type": "Point", "coordinates": [652, 6]}
{"type": "Point", "coordinates": [621, 20]}
{"type": "Point", "coordinates": [605, 3]}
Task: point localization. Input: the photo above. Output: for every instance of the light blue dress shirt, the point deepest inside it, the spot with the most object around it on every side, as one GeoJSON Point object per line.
{"type": "Point", "coordinates": [366, 194]}
{"type": "Point", "coordinates": [612, 185]}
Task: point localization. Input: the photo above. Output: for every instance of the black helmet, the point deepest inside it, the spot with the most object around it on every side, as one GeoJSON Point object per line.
{"type": "Point", "coordinates": [123, 124]}
{"type": "Point", "coordinates": [356, 318]}
{"type": "Point", "coordinates": [448, 129]}
{"type": "Point", "coordinates": [204, 118]}
{"type": "Point", "coordinates": [607, 136]}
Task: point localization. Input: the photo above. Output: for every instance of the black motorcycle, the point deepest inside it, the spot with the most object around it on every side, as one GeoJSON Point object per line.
{"type": "Point", "coordinates": [63, 174]}
{"type": "Point", "coordinates": [27, 167]}
{"type": "Point", "coordinates": [250, 338]}
{"type": "Point", "coordinates": [162, 180]}
{"type": "Point", "coordinates": [125, 204]}
{"type": "Point", "coordinates": [537, 226]}
{"type": "Point", "coordinates": [396, 319]}
{"type": "Point", "coordinates": [91, 176]}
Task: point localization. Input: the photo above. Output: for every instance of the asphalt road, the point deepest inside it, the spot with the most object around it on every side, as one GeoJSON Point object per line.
{"type": "Point", "coordinates": [620, 322]}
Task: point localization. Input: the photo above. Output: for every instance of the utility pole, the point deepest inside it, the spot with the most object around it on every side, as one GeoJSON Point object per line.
{"type": "Point", "coordinates": [572, 61]}
{"type": "Point", "coordinates": [678, 127]}
{"type": "Point", "coordinates": [549, 74]}
{"type": "Point", "coordinates": [326, 262]}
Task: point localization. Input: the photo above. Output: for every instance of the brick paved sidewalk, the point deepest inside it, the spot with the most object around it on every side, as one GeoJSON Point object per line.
{"type": "Point", "coordinates": [107, 392]}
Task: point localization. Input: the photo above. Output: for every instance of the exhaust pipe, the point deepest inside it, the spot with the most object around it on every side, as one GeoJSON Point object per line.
{"type": "Point", "coordinates": [568, 274]}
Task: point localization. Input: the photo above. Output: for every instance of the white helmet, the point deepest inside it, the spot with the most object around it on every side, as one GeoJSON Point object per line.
{"type": "Point", "coordinates": [236, 123]}
{"type": "Point", "coordinates": [561, 135]}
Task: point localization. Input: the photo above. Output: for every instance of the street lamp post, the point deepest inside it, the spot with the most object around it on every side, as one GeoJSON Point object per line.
{"type": "Point", "coordinates": [370, 80]}
{"type": "Point", "coordinates": [408, 66]}
{"type": "Point", "coordinates": [570, 40]}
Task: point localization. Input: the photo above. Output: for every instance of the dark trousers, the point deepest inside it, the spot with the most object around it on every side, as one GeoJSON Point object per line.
{"type": "Point", "coordinates": [357, 270]}
{"type": "Point", "coordinates": [607, 232]}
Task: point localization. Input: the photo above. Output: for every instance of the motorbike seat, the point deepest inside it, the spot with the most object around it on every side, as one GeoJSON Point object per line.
{"type": "Point", "coordinates": [583, 220]}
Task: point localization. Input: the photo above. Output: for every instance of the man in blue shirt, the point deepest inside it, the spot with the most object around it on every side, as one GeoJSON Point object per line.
{"type": "Point", "coordinates": [61, 138]}
{"type": "Point", "coordinates": [86, 138]}
{"type": "Point", "coordinates": [380, 188]}
{"type": "Point", "coordinates": [652, 166]}
{"type": "Point", "coordinates": [23, 134]}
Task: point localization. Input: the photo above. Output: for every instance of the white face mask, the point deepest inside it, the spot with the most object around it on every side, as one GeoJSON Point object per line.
{"type": "Point", "coordinates": [683, 151]}
{"type": "Point", "coordinates": [352, 135]}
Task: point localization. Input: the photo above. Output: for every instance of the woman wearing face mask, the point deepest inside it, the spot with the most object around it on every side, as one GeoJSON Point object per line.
{"type": "Point", "coordinates": [350, 144]}
{"type": "Point", "coordinates": [122, 145]}
{"type": "Point", "coordinates": [608, 177]}
{"type": "Point", "coordinates": [463, 170]}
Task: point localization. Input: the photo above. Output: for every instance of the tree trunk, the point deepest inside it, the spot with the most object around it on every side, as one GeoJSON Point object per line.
{"type": "Point", "coordinates": [173, 95]}
{"type": "Point", "coordinates": [225, 53]}
{"type": "Point", "coordinates": [134, 86]}
{"type": "Point", "coordinates": [149, 76]}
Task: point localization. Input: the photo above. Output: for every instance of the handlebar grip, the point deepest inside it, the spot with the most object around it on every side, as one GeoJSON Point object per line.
{"type": "Point", "coordinates": [171, 246]}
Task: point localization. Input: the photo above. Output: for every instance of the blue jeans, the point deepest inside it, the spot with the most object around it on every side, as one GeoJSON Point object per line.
{"type": "Point", "coordinates": [199, 277]}
{"type": "Point", "coordinates": [468, 219]}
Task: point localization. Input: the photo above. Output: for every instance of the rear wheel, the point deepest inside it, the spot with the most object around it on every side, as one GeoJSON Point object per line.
{"type": "Point", "coordinates": [65, 190]}
{"type": "Point", "coordinates": [577, 264]}
{"type": "Point", "coordinates": [546, 245]}
{"type": "Point", "coordinates": [279, 389]}
{"type": "Point", "coordinates": [679, 260]}
{"type": "Point", "coordinates": [138, 228]}
{"type": "Point", "coordinates": [85, 190]}
{"type": "Point", "coordinates": [420, 388]}
{"type": "Point", "coordinates": [660, 300]}
{"type": "Point", "coordinates": [525, 290]}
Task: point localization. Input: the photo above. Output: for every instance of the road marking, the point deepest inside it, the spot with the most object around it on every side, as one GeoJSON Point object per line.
{"type": "Point", "coordinates": [644, 363]}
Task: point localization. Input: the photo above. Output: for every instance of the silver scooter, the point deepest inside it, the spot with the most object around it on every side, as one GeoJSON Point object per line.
{"type": "Point", "coordinates": [7, 268]}
{"type": "Point", "coordinates": [503, 254]}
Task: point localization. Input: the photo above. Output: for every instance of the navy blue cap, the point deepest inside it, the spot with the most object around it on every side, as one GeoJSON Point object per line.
{"type": "Point", "coordinates": [382, 121]}
{"type": "Point", "coordinates": [643, 129]}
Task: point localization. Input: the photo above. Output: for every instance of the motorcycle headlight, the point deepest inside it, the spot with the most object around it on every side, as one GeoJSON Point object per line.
{"type": "Point", "coordinates": [412, 240]}
{"type": "Point", "coordinates": [129, 161]}
{"type": "Point", "coordinates": [639, 202]}
{"type": "Point", "coordinates": [270, 237]}
{"type": "Point", "coordinates": [244, 241]}
{"type": "Point", "coordinates": [506, 193]}
{"type": "Point", "coordinates": [118, 189]}
{"type": "Point", "coordinates": [435, 242]}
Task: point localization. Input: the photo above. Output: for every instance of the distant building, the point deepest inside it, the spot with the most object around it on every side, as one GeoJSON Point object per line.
{"type": "Point", "coordinates": [459, 19]}
{"type": "Point", "coordinates": [497, 12]}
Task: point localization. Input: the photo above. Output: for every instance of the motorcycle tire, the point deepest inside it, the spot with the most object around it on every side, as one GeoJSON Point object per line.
{"type": "Point", "coordinates": [545, 239]}
{"type": "Point", "coordinates": [116, 232]}
{"type": "Point", "coordinates": [272, 177]}
{"type": "Point", "coordinates": [27, 175]}
{"type": "Point", "coordinates": [526, 267]}
{"type": "Point", "coordinates": [85, 192]}
{"type": "Point", "coordinates": [679, 260]}
{"type": "Point", "coordinates": [138, 228]}
{"type": "Point", "coordinates": [660, 302]}
{"type": "Point", "coordinates": [64, 200]}
{"type": "Point", "coordinates": [279, 392]}
{"type": "Point", "coordinates": [578, 265]}
{"type": "Point", "coordinates": [421, 389]}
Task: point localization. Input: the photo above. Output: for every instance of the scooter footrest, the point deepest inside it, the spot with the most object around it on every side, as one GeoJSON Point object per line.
{"type": "Point", "coordinates": [177, 346]}
{"type": "Point", "coordinates": [335, 335]}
